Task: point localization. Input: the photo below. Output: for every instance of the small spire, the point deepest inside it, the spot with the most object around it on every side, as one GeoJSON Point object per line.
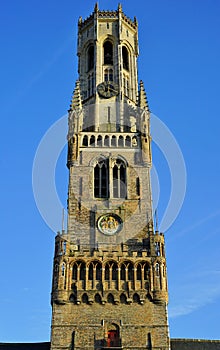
{"type": "Point", "coordinates": [80, 21]}
{"type": "Point", "coordinates": [76, 102]}
{"type": "Point", "coordinates": [96, 8]}
{"type": "Point", "coordinates": [119, 7]}
{"type": "Point", "coordinates": [142, 97]}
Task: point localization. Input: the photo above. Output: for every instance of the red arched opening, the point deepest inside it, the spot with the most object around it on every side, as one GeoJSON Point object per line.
{"type": "Point", "coordinates": [113, 339]}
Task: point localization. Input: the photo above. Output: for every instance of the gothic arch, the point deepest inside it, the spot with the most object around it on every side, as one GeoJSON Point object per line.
{"type": "Point", "coordinates": [90, 57]}
{"type": "Point", "coordinates": [98, 298]}
{"type": "Point", "coordinates": [110, 298]}
{"type": "Point", "coordinates": [108, 52]}
{"type": "Point", "coordinates": [125, 58]}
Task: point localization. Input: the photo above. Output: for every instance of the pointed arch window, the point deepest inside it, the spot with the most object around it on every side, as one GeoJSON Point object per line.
{"type": "Point", "coordinates": [125, 58]}
{"type": "Point", "coordinates": [102, 174]}
{"type": "Point", "coordinates": [90, 61]}
{"type": "Point", "coordinates": [101, 171]}
{"type": "Point", "coordinates": [119, 179]}
{"type": "Point", "coordinates": [108, 52]}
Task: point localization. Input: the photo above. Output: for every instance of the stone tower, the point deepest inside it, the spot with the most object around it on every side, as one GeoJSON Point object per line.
{"type": "Point", "coordinates": [109, 279]}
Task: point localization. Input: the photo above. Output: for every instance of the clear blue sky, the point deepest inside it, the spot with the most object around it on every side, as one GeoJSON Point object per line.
{"type": "Point", "coordinates": [179, 63]}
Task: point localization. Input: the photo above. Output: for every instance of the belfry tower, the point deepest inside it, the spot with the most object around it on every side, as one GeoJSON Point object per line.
{"type": "Point", "coordinates": [109, 279]}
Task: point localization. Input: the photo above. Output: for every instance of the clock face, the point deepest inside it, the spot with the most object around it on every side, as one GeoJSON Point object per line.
{"type": "Point", "coordinates": [107, 89]}
{"type": "Point", "coordinates": [109, 224]}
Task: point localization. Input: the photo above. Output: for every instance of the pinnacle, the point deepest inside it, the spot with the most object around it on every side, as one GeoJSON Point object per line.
{"type": "Point", "coordinates": [76, 102]}
{"type": "Point", "coordinates": [142, 98]}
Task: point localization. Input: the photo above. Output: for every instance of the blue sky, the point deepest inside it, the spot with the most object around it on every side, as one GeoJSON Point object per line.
{"type": "Point", "coordinates": [179, 64]}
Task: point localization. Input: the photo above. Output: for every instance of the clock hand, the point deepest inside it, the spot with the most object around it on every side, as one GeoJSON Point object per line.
{"type": "Point", "coordinates": [113, 89]}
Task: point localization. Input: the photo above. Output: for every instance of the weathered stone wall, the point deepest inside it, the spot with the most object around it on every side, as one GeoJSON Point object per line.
{"type": "Point", "coordinates": [92, 322]}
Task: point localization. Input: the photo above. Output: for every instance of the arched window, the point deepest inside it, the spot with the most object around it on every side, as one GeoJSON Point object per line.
{"type": "Point", "coordinates": [98, 299]}
{"type": "Point", "coordinates": [98, 272]}
{"type": "Point", "coordinates": [130, 272]}
{"type": "Point", "coordinates": [113, 141]}
{"type": "Point", "coordinates": [106, 141]}
{"type": "Point", "coordinates": [82, 271]}
{"type": "Point", "coordinates": [114, 272]}
{"type": "Point", "coordinates": [90, 272]}
{"type": "Point", "coordinates": [123, 274]}
{"type": "Point", "coordinates": [110, 299]}
{"type": "Point", "coordinates": [139, 272]}
{"type": "Point", "coordinates": [92, 141]}
{"type": "Point", "coordinates": [101, 179]}
{"type": "Point", "coordinates": [119, 179]}
{"type": "Point", "coordinates": [99, 141]}
{"type": "Point", "coordinates": [136, 298]}
{"type": "Point", "coordinates": [85, 140]}
{"type": "Point", "coordinates": [90, 57]}
{"type": "Point", "coordinates": [123, 298]}
{"type": "Point", "coordinates": [74, 274]}
{"type": "Point", "coordinates": [85, 298]}
{"type": "Point", "coordinates": [125, 58]}
{"type": "Point", "coordinates": [108, 52]}
{"type": "Point", "coordinates": [107, 272]}
{"type": "Point", "coordinates": [120, 141]}
{"type": "Point", "coordinates": [128, 141]}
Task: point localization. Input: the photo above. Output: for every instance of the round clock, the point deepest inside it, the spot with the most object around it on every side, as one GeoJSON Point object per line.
{"type": "Point", "coordinates": [109, 224]}
{"type": "Point", "coordinates": [107, 89]}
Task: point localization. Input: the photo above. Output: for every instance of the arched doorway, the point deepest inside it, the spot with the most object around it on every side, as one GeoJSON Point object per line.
{"type": "Point", "coordinates": [113, 336]}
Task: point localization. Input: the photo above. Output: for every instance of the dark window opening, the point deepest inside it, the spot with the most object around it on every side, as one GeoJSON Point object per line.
{"type": "Point", "coordinates": [90, 272]}
{"type": "Point", "coordinates": [85, 298]}
{"type": "Point", "coordinates": [98, 299]}
{"type": "Point", "coordinates": [123, 274]}
{"type": "Point", "coordinates": [114, 272]}
{"type": "Point", "coordinates": [82, 272]}
{"type": "Point", "coordinates": [123, 299]}
{"type": "Point", "coordinates": [139, 272]}
{"type": "Point", "coordinates": [130, 272]}
{"type": "Point", "coordinates": [99, 272]}
{"type": "Point", "coordinates": [90, 58]}
{"type": "Point", "coordinates": [128, 141]}
{"type": "Point", "coordinates": [113, 141]}
{"type": "Point", "coordinates": [110, 299]}
{"type": "Point", "coordinates": [107, 273]}
{"type": "Point", "coordinates": [101, 180]}
{"type": "Point", "coordinates": [108, 52]}
{"type": "Point", "coordinates": [106, 141]}
{"type": "Point", "coordinates": [125, 58]}
{"type": "Point", "coordinates": [74, 275]}
{"type": "Point", "coordinates": [136, 298]}
{"type": "Point", "coordinates": [92, 140]}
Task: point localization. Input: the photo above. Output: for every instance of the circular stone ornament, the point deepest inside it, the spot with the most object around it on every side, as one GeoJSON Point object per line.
{"type": "Point", "coordinates": [109, 224]}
